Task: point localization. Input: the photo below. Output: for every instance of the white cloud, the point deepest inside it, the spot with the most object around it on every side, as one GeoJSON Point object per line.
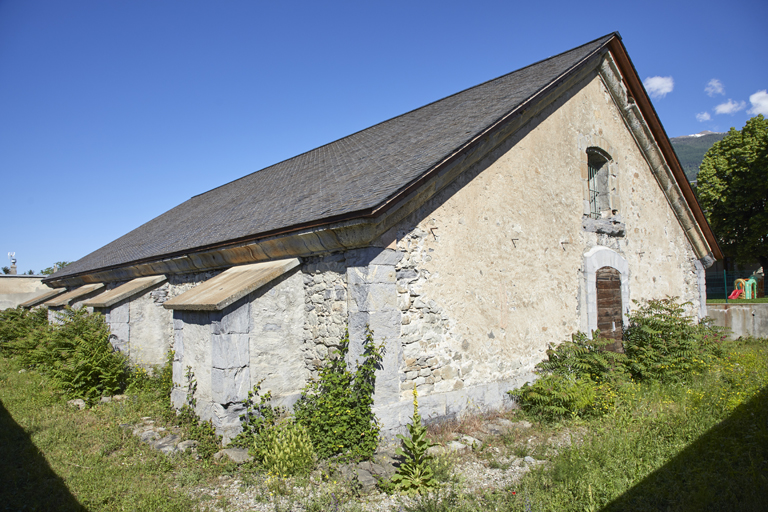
{"type": "Point", "coordinates": [659, 86]}
{"type": "Point", "coordinates": [703, 116]}
{"type": "Point", "coordinates": [714, 86]}
{"type": "Point", "coordinates": [730, 107]}
{"type": "Point", "coordinates": [759, 102]}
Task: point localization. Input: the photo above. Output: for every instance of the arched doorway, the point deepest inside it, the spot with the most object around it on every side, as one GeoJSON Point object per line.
{"type": "Point", "coordinates": [609, 306]}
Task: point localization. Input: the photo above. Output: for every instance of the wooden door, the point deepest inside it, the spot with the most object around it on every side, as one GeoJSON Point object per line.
{"type": "Point", "coordinates": [609, 306]}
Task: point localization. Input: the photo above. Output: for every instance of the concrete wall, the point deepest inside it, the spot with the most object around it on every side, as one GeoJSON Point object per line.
{"type": "Point", "coordinates": [741, 319]}
{"type": "Point", "coordinates": [19, 288]}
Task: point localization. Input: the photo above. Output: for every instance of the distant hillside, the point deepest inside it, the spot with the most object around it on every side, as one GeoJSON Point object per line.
{"type": "Point", "coordinates": [690, 150]}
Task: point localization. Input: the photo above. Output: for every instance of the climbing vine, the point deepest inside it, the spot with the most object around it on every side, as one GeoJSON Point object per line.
{"type": "Point", "coordinates": [336, 409]}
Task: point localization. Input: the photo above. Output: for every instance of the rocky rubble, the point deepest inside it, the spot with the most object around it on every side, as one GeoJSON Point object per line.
{"type": "Point", "coordinates": [476, 466]}
{"type": "Point", "coordinates": [159, 438]}
{"type": "Point", "coordinates": [476, 462]}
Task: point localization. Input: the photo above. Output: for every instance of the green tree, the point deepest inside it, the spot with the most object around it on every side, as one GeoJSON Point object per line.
{"type": "Point", "coordinates": [56, 266]}
{"type": "Point", "coordinates": [733, 190]}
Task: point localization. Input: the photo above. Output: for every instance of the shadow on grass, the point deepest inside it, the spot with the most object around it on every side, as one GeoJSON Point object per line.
{"type": "Point", "coordinates": [27, 482]}
{"type": "Point", "coordinates": [724, 469]}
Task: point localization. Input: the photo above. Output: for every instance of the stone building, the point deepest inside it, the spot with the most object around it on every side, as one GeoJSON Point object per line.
{"type": "Point", "coordinates": [471, 234]}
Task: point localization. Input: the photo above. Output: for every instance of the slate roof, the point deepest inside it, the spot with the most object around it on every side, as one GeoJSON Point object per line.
{"type": "Point", "coordinates": [352, 175]}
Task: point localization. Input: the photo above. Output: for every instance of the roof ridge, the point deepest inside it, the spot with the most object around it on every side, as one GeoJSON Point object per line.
{"type": "Point", "coordinates": [607, 37]}
{"type": "Point", "coordinates": [353, 176]}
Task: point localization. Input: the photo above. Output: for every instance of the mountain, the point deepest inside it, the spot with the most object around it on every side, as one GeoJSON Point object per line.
{"type": "Point", "coordinates": [690, 150]}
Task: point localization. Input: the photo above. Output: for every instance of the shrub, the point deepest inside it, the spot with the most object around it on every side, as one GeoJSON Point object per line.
{"type": "Point", "coordinates": [259, 417]}
{"type": "Point", "coordinates": [285, 449]}
{"type": "Point", "coordinates": [663, 343]}
{"type": "Point", "coordinates": [336, 408]}
{"type": "Point", "coordinates": [580, 378]}
{"type": "Point", "coordinates": [16, 324]}
{"type": "Point", "coordinates": [555, 396]}
{"type": "Point", "coordinates": [77, 355]}
{"type": "Point", "coordinates": [576, 380]}
{"type": "Point", "coordinates": [585, 358]}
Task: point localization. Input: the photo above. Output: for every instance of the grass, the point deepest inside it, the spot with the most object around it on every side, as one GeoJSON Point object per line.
{"type": "Point", "coordinates": [760, 300]}
{"type": "Point", "coordinates": [54, 457]}
{"type": "Point", "coordinates": [696, 446]}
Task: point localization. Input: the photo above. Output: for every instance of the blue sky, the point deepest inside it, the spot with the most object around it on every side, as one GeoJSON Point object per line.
{"type": "Point", "coordinates": [113, 112]}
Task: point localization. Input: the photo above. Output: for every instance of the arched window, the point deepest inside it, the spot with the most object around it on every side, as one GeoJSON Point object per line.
{"type": "Point", "coordinates": [598, 183]}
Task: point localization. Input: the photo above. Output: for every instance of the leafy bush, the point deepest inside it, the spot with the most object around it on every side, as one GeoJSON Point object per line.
{"type": "Point", "coordinates": [76, 353]}
{"type": "Point", "coordinates": [278, 442]}
{"type": "Point", "coordinates": [663, 343]}
{"type": "Point", "coordinates": [415, 472]}
{"type": "Point", "coordinates": [576, 380]}
{"type": "Point", "coordinates": [336, 408]}
{"type": "Point", "coordinates": [285, 449]}
{"type": "Point", "coordinates": [556, 396]}
{"type": "Point", "coordinates": [584, 358]}
{"type": "Point", "coordinates": [16, 324]}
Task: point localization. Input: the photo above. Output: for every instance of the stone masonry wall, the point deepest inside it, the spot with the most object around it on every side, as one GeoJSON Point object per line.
{"type": "Point", "coordinates": [325, 302]}
{"type": "Point", "coordinates": [492, 269]}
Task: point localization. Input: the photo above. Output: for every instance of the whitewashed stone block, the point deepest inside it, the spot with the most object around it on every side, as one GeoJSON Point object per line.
{"type": "Point", "coordinates": [230, 385]}
{"type": "Point", "coordinates": [229, 351]}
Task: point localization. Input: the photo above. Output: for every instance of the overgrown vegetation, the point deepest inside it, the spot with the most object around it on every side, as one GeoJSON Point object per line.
{"type": "Point", "coordinates": [701, 444]}
{"type": "Point", "coordinates": [75, 352]}
{"type": "Point", "coordinates": [17, 324]}
{"type": "Point", "coordinates": [678, 422]}
{"type": "Point", "coordinates": [662, 343]}
{"type": "Point", "coordinates": [276, 440]}
{"type": "Point", "coordinates": [581, 378]}
{"type": "Point", "coordinates": [337, 410]}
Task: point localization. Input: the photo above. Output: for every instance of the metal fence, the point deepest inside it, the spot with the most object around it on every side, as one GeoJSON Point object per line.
{"type": "Point", "coordinates": [721, 283]}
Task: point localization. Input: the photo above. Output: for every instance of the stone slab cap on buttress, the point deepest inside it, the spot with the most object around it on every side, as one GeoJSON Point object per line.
{"type": "Point", "coordinates": [231, 285]}
{"type": "Point", "coordinates": [47, 295]}
{"type": "Point", "coordinates": [65, 299]}
{"type": "Point", "coordinates": [129, 289]}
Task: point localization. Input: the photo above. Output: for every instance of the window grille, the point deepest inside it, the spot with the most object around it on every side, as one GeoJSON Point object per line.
{"type": "Point", "coordinates": [594, 211]}
{"type": "Point", "coordinates": [597, 160]}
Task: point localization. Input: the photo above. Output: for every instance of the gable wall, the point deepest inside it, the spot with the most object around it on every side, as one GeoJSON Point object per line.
{"type": "Point", "coordinates": [499, 255]}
